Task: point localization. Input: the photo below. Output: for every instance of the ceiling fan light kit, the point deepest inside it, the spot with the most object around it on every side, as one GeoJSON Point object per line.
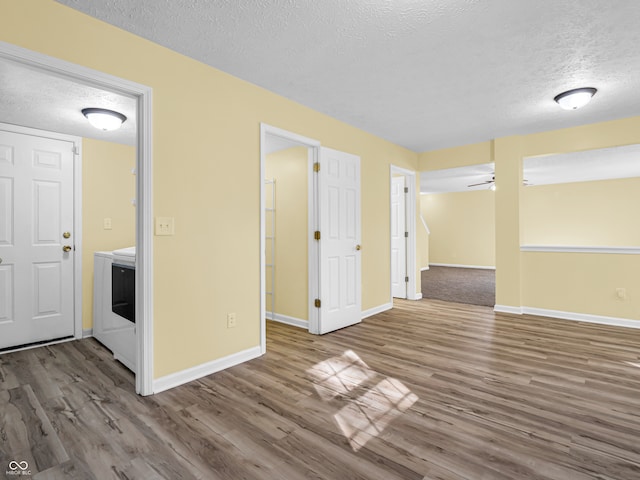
{"type": "Point", "coordinates": [576, 98]}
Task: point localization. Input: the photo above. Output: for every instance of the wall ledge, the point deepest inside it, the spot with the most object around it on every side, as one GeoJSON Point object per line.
{"type": "Point", "coordinates": [286, 319]}
{"type": "Point", "coordinates": [580, 249]}
{"type": "Point", "coordinates": [190, 374]}
{"type": "Point", "coordinates": [573, 316]}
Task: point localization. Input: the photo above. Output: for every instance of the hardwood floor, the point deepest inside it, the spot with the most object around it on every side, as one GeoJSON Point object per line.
{"type": "Point", "coordinates": [428, 390]}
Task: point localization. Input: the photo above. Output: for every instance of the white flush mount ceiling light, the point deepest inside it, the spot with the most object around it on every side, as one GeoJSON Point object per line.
{"type": "Point", "coordinates": [104, 119]}
{"type": "Point", "coordinates": [576, 98]}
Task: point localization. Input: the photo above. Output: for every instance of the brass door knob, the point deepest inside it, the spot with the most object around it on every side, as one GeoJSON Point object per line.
{"type": "Point", "coordinates": [66, 234]}
{"type": "Point", "coordinates": [358, 247]}
{"type": "Point", "coordinates": [66, 248]}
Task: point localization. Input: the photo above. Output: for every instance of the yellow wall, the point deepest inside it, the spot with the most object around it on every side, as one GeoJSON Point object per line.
{"type": "Point", "coordinates": [108, 186]}
{"type": "Point", "coordinates": [601, 213]}
{"type": "Point", "coordinates": [206, 175]}
{"type": "Point", "coordinates": [289, 169]}
{"type": "Point", "coordinates": [465, 155]}
{"type": "Point", "coordinates": [573, 282]}
{"type": "Point", "coordinates": [462, 227]}
{"type": "Point", "coordinates": [422, 240]}
{"type": "Point", "coordinates": [567, 282]}
{"type": "Point", "coordinates": [582, 283]}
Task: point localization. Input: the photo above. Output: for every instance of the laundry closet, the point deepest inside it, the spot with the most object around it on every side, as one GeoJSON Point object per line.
{"type": "Point", "coordinates": [110, 252]}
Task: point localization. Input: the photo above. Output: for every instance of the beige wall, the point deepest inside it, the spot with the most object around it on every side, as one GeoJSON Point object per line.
{"type": "Point", "coordinates": [602, 213]}
{"type": "Point", "coordinates": [462, 226]}
{"type": "Point", "coordinates": [566, 282]}
{"type": "Point", "coordinates": [465, 155]}
{"type": "Point", "coordinates": [289, 168]}
{"type": "Point", "coordinates": [422, 240]}
{"type": "Point", "coordinates": [206, 174]}
{"type": "Point", "coordinates": [582, 282]}
{"type": "Point", "coordinates": [108, 186]}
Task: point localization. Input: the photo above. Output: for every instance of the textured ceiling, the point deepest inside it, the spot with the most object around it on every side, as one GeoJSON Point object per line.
{"type": "Point", "coordinates": [422, 74]}
{"type": "Point", "coordinates": [37, 99]}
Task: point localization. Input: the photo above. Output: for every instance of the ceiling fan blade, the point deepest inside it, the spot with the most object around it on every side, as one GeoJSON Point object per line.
{"type": "Point", "coordinates": [481, 183]}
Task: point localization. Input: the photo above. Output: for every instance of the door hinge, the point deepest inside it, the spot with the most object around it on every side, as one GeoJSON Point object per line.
{"type": "Point", "coordinates": [406, 189]}
{"type": "Point", "coordinates": [406, 279]}
{"type": "Point", "coordinates": [75, 150]}
{"type": "Point", "coordinates": [406, 234]}
{"type": "Point", "coordinates": [316, 235]}
{"type": "Point", "coordinates": [317, 303]}
{"type": "Point", "coordinates": [316, 167]}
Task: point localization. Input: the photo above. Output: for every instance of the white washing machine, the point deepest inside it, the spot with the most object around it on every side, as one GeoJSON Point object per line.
{"type": "Point", "coordinates": [114, 303]}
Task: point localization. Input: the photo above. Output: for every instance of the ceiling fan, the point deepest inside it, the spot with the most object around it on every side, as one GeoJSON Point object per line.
{"type": "Point", "coordinates": [492, 183]}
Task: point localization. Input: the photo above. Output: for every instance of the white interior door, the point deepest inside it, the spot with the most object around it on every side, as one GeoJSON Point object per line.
{"type": "Point", "coordinates": [36, 209]}
{"type": "Point", "coordinates": [398, 238]}
{"type": "Point", "coordinates": [340, 256]}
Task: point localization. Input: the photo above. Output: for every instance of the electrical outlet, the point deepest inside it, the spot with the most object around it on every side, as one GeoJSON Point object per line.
{"type": "Point", "coordinates": [164, 226]}
{"type": "Point", "coordinates": [107, 223]}
{"type": "Point", "coordinates": [621, 293]}
{"type": "Point", "coordinates": [231, 320]}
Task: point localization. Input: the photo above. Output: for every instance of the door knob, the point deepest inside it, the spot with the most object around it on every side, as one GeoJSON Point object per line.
{"type": "Point", "coordinates": [358, 247]}
{"type": "Point", "coordinates": [66, 234]}
{"type": "Point", "coordinates": [66, 248]}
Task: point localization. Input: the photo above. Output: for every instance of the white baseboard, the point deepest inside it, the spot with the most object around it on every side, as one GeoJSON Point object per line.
{"type": "Point", "coordinates": [179, 378]}
{"type": "Point", "coordinates": [424, 268]}
{"type": "Point", "coordinates": [582, 317]}
{"type": "Point", "coordinates": [454, 265]}
{"type": "Point", "coordinates": [88, 332]}
{"type": "Point", "coordinates": [293, 321]}
{"type": "Point", "coordinates": [507, 309]}
{"type": "Point", "coordinates": [417, 296]}
{"type": "Point", "coordinates": [375, 310]}
{"type": "Point", "coordinates": [573, 316]}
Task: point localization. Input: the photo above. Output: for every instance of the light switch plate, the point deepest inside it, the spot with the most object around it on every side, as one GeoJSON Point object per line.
{"type": "Point", "coordinates": [107, 223]}
{"type": "Point", "coordinates": [164, 226]}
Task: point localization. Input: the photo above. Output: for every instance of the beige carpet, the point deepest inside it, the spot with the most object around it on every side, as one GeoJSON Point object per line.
{"type": "Point", "coordinates": [462, 285]}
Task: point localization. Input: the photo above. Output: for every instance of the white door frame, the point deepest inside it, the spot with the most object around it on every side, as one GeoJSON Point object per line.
{"type": "Point", "coordinates": [144, 197]}
{"type": "Point", "coordinates": [77, 212]}
{"type": "Point", "coordinates": [314, 257]}
{"type": "Point", "coordinates": [410, 212]}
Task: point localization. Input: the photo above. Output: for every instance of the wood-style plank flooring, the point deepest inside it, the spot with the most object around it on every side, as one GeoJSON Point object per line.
{"type": "Point", "coordinates": [429, 390]}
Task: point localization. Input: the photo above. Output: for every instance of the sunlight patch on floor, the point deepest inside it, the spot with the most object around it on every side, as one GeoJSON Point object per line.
{"type": "Point", "coordinates": [339, 375]}
{"type": "Point", "coordinates": [365, 417]}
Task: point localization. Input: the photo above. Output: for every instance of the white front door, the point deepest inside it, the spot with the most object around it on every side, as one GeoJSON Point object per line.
{"type": "Point", "coordinates": [36, 213]}
{"type": "Point", "coordinates": [398, 238]}
{"type": "Point", "coordinates": [340, 255]}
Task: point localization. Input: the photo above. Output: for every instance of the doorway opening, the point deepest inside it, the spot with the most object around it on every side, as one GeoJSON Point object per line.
{"type": "Point", "coordinates": [287, 224]}
{"type": "Point", "coordinates": [141, 94]}
{"type": "Point", "coordinates": [332, 239]}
